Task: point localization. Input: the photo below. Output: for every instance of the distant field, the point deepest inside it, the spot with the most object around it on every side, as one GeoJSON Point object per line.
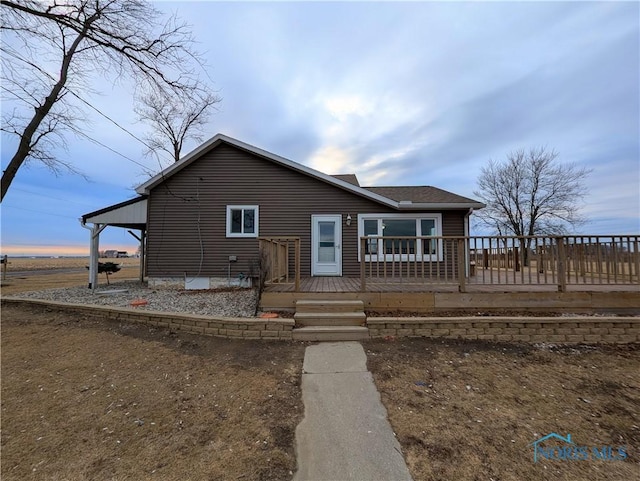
{"type": "Point", "coordinates": [23, 275]}
{"type": "Point", "coordinates": [29, 264]}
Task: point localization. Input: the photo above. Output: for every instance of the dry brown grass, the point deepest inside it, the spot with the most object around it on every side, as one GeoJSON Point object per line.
{"type": "Point", "coordinates": [43, 263]}
{"type": "Point", "coordinates": [469, 410]}
{"type": "Point", "coordinates": [39, 263]}
{"type": "Point", "coordinates": [73, 387]}
{"type": "Point", "coordinates": [89, 399]}
{"type": "Point", "coordinates": [25, 274]}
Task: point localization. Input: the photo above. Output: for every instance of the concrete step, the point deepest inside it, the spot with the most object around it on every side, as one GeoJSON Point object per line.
{"type": "Point", "coordinates": [307, 305]}
{"type": "Point", "coordinates": [330, 333]}
{"type": "Point", "coordinates": [330, 318]}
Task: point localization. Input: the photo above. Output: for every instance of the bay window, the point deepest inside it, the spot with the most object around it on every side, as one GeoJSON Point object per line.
{"type": "Point", "coordinates": [400, 236]}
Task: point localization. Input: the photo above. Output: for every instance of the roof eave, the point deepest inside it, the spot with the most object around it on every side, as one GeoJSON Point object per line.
{"type": "Point", "coordinates": [119, 205]}
{"type": "Point", "coordinates": [440, 205]}
{"type": "Point", "coordinates": [352, 188]}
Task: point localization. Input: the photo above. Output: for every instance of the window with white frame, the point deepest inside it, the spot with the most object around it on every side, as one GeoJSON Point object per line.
{"type": "Point", "coordinates": [242, 221]}
{"type": "Point", "coordinates": [400, 235]}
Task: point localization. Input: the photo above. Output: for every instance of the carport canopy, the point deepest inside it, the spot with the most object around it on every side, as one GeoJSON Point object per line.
{"type": "Point", "coordinates": [130, 214]}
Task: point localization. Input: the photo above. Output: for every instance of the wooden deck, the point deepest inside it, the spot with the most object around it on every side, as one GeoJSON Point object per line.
{"type": "Point", "coordinates": [468, 265]}
{"type": "Point", "coordinates": [399, 285]}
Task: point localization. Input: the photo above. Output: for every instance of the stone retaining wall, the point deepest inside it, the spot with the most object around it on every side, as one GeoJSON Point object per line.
{"type": "Point", "coordinates": [230, 327]}
{"type": "Point", "coordinates": [526, 329]}
{"type": "Point", "coordinates": [570, 329]}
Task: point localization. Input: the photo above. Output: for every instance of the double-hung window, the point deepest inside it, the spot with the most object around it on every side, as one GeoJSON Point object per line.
{"type": "Point", "coordinates": [400, 236]}
{"type": "Point", "coordinates": [242, 221]}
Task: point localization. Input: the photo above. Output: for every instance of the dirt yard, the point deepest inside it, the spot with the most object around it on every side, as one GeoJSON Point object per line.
{"type": "Point", "coordinates": [90, 399]}
{"type": "Point", "coordinates": [469, 410]}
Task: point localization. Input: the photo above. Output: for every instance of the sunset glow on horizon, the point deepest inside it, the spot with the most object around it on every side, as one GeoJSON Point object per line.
{"type": "Point", "coordinates": [60, 250]}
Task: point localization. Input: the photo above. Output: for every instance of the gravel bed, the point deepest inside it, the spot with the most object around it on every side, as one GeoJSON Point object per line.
{"type": "Point", "coordinates": [233, 302]}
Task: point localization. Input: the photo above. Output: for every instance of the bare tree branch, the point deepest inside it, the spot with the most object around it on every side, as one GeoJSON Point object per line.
{"type": "Point", "coordinates": [174, 118]}
{"type": "Point", "coordinates": [78, 38]}
{"type": "Point", "coordinates": [530, 193]}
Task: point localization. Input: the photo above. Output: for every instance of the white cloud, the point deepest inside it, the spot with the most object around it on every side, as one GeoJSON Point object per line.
{"type": "Point", "coordinates": [343, 108]}
{"type": "Point", "coordinates": [331, 160]}
{"type": "Point", "coordinates": [405, 93]}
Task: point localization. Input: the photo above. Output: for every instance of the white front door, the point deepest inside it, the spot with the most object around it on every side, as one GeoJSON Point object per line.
{"type": "Point", "coordinates": [326, 245]}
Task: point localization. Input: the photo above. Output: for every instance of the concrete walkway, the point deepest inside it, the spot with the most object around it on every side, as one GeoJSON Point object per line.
{"type": "Point", "coordinates": [345, 434]}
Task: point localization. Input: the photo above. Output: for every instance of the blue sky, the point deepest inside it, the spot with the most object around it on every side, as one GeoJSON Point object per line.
{"type": "Point", "coordinates": [398, 93]}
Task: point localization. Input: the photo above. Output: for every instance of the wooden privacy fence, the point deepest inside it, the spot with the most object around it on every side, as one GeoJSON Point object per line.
{"type": "Point", "coordinates": [501, 260]}
{"type": "Point", "coordinates": [280, 260]}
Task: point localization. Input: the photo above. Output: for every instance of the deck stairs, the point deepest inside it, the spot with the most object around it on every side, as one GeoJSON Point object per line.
{"type": "Point", "coordinates": [330, 320]}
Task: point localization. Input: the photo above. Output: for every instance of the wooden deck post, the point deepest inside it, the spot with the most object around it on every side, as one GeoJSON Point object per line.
{"type": "Point", "coordinates": [636, 257]}
{"type": "Point", "coordinates": [363, 270]}
{"type": "Point", "coordinates": [462, 271]}
{"type": "Point", "coordinates": [562, 272]}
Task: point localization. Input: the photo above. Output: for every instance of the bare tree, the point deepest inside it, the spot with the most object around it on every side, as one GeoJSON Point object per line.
{"type": "Point", "coordinates": [531, 194]}
{"type": "Point", "coordinates": [51, 49]}
{"type": "Point", "coordinates": [174, 118]}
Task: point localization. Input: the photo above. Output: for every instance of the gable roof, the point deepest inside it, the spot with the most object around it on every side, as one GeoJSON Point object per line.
{"type": "Point", "coordinates": [351, 178]}
{"type": "Point", "coordinates": [344, 182]}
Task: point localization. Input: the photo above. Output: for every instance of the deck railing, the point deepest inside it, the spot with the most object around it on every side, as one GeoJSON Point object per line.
{"type": "Point", "coordinates": [280, 260]}
{"type": "Point", "coordinates": [411, 260]}
{"type": "Point", "coordinates": [489, 260]}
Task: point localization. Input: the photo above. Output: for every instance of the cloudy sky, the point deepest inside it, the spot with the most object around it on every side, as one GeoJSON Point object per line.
{"type": "Point", "coordinates": [398, 93]}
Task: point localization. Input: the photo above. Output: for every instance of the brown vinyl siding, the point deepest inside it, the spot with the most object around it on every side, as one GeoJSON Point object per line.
{"type": "Point", "coordinates": [187, 214]}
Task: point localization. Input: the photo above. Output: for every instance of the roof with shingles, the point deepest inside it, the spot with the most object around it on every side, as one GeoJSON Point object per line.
{"type": "Point", "coordinates": [419, 194]}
